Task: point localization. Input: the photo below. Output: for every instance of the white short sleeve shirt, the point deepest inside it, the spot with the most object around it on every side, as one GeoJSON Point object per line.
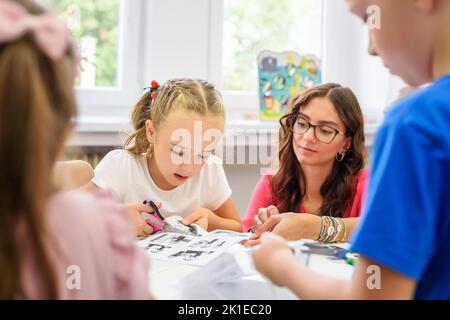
{"type": "Point", "coordinates": [128, 177]}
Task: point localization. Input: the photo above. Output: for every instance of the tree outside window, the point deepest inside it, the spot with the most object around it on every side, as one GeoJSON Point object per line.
{"type": "Point", "coordinates": [251, 26]}
{"type": "Point", "coordinates": [95, 27]}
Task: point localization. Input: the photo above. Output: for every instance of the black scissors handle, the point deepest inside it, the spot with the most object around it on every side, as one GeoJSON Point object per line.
{"type": "Point", "coordinates": [150, 203]}
{"type": "Point", "coordinates": [155, 208]}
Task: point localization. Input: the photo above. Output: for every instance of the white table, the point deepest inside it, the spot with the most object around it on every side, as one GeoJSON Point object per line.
{"type": "Point", "coordinates": [165, 276]}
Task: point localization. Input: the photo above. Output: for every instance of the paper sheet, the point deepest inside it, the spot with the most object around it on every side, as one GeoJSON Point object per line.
{"type": "Point", "coordinates": [235, 264]}
{"type": "Point", "coordinates": [189, 249]}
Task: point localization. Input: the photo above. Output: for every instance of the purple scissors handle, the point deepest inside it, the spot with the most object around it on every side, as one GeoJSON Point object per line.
{"type": "Point", "coordinates": [156, 227]}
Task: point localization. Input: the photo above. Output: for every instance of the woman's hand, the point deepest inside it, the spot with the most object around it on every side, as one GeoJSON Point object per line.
{"type": "Point", "coordinates": [201, 217]}
{"type": "Point", "coordinates": [291, 226]}
{"type": "Point", "coordinates": [262, 216]}
{"type": "Point", "coordinates": [274, 259]}
{"type": "Point", "coordinates": [141, 227]}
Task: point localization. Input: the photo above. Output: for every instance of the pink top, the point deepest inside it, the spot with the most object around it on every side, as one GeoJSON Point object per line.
{"type": "Point", "coordinates": [262, 198]}
{"type": "Point", "coordinates": [94, 239]}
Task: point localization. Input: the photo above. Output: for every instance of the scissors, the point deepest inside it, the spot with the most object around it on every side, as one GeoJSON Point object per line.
{"type": "Point", "coordinates": [161, 224]}
{"type": "Point", "coordinates": [157, 215]}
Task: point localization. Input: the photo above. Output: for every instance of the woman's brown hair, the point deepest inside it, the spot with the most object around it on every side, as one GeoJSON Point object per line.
{"type": "Point", "coordinates": [190, 95]}
{"type": "Point", "coordinates": [37, 103]}
{"type": "Point", "coordinates": [289, 184]}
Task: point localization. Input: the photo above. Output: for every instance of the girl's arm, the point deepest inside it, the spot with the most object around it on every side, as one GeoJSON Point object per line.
{"type": "Point", "coordinates": [226, 217]}
{"type": "Point", "coordinates": [370, 281]}
{"type": "Point", "coordinates": [72, 174]}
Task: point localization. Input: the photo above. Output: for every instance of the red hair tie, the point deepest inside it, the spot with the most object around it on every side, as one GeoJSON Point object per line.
{"type": "Point", "coordinates": [153, 88]}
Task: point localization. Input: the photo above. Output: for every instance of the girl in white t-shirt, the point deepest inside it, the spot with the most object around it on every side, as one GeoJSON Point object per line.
{"type": "Point", "coordinates": [168, 158]}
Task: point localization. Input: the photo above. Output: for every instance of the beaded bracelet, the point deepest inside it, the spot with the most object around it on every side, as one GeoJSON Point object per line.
{"type": "Point", "coordinates": [338, 231]}
{"type": "Point", "coordinates": [323, 229]}
{"type": "Point", "coordinates": [332, 230]}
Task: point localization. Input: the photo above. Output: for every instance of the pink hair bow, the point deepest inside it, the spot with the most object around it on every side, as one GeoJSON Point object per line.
{"type": "Point", "coordinates": [50, 33]}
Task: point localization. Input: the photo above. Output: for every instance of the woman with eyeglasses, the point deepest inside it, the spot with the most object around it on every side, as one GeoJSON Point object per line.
{"type": "Point", "coordinates": [318, 189]}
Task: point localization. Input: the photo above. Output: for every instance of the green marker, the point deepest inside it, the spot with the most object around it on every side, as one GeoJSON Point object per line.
{"type": "Point", "coordinates": [351, 258]}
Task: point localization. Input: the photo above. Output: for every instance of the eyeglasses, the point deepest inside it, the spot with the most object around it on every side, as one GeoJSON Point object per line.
{"type": "Point", "coordinates": [325, 134]}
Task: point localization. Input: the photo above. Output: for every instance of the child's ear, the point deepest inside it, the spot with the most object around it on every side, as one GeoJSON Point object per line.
{"type": "Point", "coordinates": [425, 5]}
{"type": "Point", "coordinates": [149, 131]}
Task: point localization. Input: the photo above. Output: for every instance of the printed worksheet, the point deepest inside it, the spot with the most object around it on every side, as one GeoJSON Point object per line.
{"type": "Point", "coordinates": [198, 249]}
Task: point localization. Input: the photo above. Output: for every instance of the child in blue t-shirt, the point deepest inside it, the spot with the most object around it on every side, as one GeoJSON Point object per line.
{"type": "Point", "coordinates": [404, 236]}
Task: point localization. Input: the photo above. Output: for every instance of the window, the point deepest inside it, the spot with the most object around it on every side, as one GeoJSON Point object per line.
{"type": "Point", "coordinates": [95, 27]}
{"type": "Point", "coordinates": [251, 26]}
{"type": "Point", "coordinates": [109, 75]}
{"type": "Point", "coordinates": [127, 43]}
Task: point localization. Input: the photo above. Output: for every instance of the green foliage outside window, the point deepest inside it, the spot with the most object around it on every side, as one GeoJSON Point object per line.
{"type": "Point", "coordinates": [251, 26]}
{"type": "Point", "coordinates": [99, 20]}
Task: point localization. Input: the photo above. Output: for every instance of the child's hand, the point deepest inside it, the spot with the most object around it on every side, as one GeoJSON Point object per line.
{"type": "Point", "coordinates": [135, 209]}
{"type": "Point", "coordinates": [274, 259]}
{"type": "Point", "coordinates": [200, 216]}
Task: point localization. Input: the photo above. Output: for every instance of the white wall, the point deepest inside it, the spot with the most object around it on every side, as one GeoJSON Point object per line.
{"type": "Point", "coordinates": [346, 61]}
{"type": "Point", "coordinates": [242, 180]}
{"type": "Point", "coordinates": [177, 37]}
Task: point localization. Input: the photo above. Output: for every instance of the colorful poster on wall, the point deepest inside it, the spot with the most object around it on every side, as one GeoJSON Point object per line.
{"type": "Point", "coordinates": [282, 76]}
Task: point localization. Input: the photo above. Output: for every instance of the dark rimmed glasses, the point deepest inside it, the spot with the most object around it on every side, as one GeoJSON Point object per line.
{"type": "Point", "coordinates": [322, 132]}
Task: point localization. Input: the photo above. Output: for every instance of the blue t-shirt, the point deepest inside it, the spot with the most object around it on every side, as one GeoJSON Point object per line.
{"type": "Point", "coordinates": [406, 216]}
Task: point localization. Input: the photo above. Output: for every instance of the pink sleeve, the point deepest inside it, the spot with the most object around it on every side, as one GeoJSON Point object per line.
{"type": "Point", "coordinates": [131, 264]}
{"type": "Point", "coordinates": [96, 234]}
{"type": "Point", "coordinates": [261, 198]}
{"type": "Point", "coordinates": [358, 200]}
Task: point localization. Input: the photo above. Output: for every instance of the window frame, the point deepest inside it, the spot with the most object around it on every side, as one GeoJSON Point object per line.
{"type": "Point", "coordinates": [99, 101]}
{"type": "Point", "coordinates": [133, 65]}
